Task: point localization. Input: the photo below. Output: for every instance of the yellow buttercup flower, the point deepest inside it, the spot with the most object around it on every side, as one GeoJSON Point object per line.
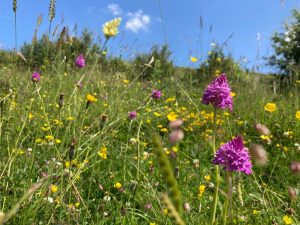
{"type": "Point", "coordinates": [117, 185]}
{"type": "Point", "coordinates": [298, 115]}
{"type": "Point", "coordinates": [91, 98]}
{"type": "Point", "coordinates": [172, 116]}
{"type": "Point", "coordinates": [53, 188]}
{"type": "Point", "coordinates": [270, 107]}
{"type": "Point", "coordinates": [110, 28]}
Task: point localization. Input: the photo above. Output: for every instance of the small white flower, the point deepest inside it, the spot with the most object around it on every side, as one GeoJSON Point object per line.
{"type": "Point", "coordinates": [107, 198]}
{"type": "Point", "coordinates": [50, 200]}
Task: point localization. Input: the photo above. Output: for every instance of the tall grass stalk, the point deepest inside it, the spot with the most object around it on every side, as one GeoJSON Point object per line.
{"type": "Point", "coordinates": [15, 12]}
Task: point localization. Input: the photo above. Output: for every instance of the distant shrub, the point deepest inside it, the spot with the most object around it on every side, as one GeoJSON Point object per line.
{"type": "Point", "coordinates": [43, 52]}
{"type": "Point", "coordinates": [217, 63]}
{"type": "Point", "coordinates": [161, 67]}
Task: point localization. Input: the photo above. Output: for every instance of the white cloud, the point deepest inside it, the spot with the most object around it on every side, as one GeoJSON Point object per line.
{"type": "Point", "coordinates": [137, 21]}
{"type": "Point", "coordinates": [115, 9]}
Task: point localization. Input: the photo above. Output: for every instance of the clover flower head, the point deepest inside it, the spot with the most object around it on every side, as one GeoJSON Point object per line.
{"type": "Point", "coordinates": [218, 93]}
{"type": "Point", "coordinates": [156, 94]}
{"type": "Point", "coordinates": [132, 115]}
{"type": "Point", "coordinates": [234, 156]}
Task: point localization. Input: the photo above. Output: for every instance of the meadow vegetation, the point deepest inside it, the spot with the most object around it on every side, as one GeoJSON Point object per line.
{"type": "Point", "coordinates": [88, 138]}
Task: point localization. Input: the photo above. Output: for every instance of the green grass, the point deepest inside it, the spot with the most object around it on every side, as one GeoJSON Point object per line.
{"type": "Point", "coordinates": [85, 190]}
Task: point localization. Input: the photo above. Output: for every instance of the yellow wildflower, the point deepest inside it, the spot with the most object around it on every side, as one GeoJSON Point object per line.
{"type": "Point", "coordinates": [165, 211]}
{"type": "Point", "coordinates": [157, 114]}
{"type": "Point", "coordinates": [172, 116]}
{"type": "Point", "coordinates": [110, 28]}
{"type": "Point", "coordinates": [30, 116]}
{"type": "Point", "coordinates": [53, 188]}
{"type": "Point", "coordinates": [117, 185]}
{"type": "Point", "coordinates": [287, 220]}
{"type": "Point", "coordinates": [172, 99]}
{"type": "Point", "coordinates": [207, 178]}
{"type": "Point", "coordinates": [298, 115]}
{"type": "Point", "coordinates": [164, 130]}
{"type": "Point", "coordinates": [49, 137]}
{"type": "Point", "coordinates": [70, 118]}
{"type": "Point", "coordinates": [270, 107]}
{"type": "Point", "coordinates": [232, 94]}
{"type": "Point", "coordinates": [194, 59]}
{"type": "Point", "coordinates": [91, 98]}
{"type": "Point", "coordinates": [102, 153]}
{"type": "Point", "coordinates": [201, 190]}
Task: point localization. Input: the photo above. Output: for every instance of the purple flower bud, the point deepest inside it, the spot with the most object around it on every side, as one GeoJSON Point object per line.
{"type": "Point", "coordinates": [132, 115]}
{"type": "Point", "coordinates": [175, 124]}
{"type": "Point", "coordinates": [176, 136]}
{"type": "Point", "coordinates": [80, 62]}
{"type": "Point", "coordinates": [293, 193]}
{"type": "Point", "coordinates": [258, 154]}
{"type": "Point", "coordinates": [156, 94]}
{"type": "Point", "coordinates": [187, 207]}
{"type": "Point", "coordinates": [35, 77]}
{"type": "Point", "coordinates": [295, 167]}
{"type": "Point", "coordinates": [262, 129]}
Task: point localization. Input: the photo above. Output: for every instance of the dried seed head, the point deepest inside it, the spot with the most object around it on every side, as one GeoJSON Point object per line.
{"type": "Point", "coordinates": [262, 129]}
{"type": "Point", "coordinates": [295, 167]}
{"type": "Point", "coordinates": [176, 136]}
{"type": "Point", "coordinates": [61, 100]}
{"type": "Point", "coordinates": [290, 211]}
{"type": "Point", "coordinates": [293, 193]}
{"type": "Point", "coordinates": [52, 10]}
{"type": "Point", "coordinates": [15, 6]}
{"type": "Point", "coordinates": [103, 119]}
{"type": "Point", "coordinates": [258, 154]}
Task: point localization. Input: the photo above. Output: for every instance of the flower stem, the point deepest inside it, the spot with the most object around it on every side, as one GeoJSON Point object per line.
{"type": "Point", "coordinates": [217, 176]}
{"type": "Point", "coordinates": [228, 197]}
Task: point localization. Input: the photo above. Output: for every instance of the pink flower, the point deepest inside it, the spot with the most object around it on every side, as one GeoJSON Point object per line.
{"type": "Point", "coordinates": [234, 156]}
{"type": "Point", "coordinates": [218, 93]}
{"type": "Point", "coordinates": [156, 94]}
{"type": "Point", "coordinates": [80, 62]}
{"type": "Point", "coordinates": [132, 115]}
{"type": "Point", "coordinates": [35, 77]}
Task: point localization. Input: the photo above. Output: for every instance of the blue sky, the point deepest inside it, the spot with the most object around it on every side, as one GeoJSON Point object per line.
{"type": "Point", "coordinates": [142, 24]}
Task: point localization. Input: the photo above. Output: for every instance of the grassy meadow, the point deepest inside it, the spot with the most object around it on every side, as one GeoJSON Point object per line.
{"type": "Point", "coordinates": [92, 144]}
{"type": "Point", "coordinates": [94, 165]}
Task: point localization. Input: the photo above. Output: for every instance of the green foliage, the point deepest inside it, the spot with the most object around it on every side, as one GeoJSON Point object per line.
{"type": "Point", "coordinates": [162, 66]}
{"type": "Point", "coordinates": [42, 53]}
{"type": "Point", "coordinates": [286, 45]}
{"type": "Point", "coordinates": [217, 63]}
